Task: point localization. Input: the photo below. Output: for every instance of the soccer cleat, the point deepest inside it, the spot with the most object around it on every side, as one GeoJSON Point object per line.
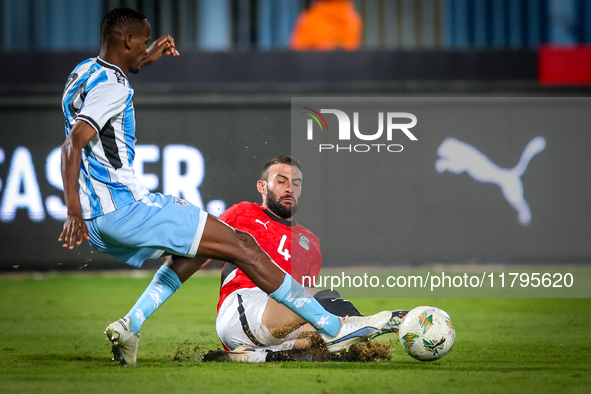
{"type": "Point", "coordinates": [125, 342]}
{"type": "Point", "coordinates": [239, 355]}
{"type": "Point", "coordinates": [393, 323]}
{"type": "Point", "coordinates": [355, 329]}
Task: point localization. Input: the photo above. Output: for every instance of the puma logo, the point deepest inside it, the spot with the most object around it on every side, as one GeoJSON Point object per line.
{"type": "Point", "coordinates": [456, 157]}
{"type": "Point", "coordinates": [264, 224]}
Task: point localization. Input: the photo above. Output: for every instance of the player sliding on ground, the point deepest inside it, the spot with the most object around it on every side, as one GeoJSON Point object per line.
{"type": "Point", "coordinates": [117, 214]}
{"type": "Point", "coordinates": [250, 324]}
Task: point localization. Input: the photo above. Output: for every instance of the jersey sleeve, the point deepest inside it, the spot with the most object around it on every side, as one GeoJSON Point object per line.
{"type": "Point", "coordinates": [316, 265]}
{"type": "Point", "coordinates": [103, 102]}
{"type": "Point", "coordinates": [229, 216]}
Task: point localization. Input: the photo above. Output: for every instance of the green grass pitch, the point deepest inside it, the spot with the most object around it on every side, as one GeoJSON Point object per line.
{"type": "Point", "coordinates": [52, 341]}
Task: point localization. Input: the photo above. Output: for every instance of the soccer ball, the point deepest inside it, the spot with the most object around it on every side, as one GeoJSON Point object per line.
{"type": "Point", "coordinates": [427, 333]}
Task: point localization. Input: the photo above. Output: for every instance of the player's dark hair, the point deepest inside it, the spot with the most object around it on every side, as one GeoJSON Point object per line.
{"type": "Point", "coordinates": [281, 159]}
{"type": "Point", "coordinates": [120, 17]}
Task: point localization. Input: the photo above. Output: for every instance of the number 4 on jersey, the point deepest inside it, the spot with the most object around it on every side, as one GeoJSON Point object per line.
{"type": "Point", "coordinates": [281, 251]}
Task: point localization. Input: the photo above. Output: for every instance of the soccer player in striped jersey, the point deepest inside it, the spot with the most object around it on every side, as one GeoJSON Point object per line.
{"type": "Point", "coordinates": [110, 207]}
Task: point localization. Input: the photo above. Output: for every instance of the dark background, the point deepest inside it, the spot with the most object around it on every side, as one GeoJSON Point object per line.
{"type": "Point", "coordinates": [235, 109]}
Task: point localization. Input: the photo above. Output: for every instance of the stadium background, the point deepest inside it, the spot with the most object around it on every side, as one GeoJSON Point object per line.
{"type": "Point", "coordinates": [209, 119]}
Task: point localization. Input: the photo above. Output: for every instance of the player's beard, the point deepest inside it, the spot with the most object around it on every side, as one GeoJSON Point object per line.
{"type": "Point", "coordinates": [275, 206]}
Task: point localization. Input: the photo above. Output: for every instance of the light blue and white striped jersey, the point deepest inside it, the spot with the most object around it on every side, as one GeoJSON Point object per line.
{"type": "Point", "coordinates": [99, 93]}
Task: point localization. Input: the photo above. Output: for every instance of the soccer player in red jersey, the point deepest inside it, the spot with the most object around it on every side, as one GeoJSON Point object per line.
{"type": "Point", "coordinates": [247, 317]}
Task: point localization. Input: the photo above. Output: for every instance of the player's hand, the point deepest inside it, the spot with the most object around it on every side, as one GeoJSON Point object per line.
{"type": "Point", "coordinates": [74, 232]}
{"type": "Point", "coordinates": [162, 46]}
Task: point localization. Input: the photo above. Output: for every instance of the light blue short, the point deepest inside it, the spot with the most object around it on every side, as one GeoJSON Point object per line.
{"type": "Point", "coordinates": [146, 229]}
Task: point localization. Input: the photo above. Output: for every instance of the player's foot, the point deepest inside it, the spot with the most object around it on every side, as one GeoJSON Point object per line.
{"type": "Point", "coordinates": [355, 329]}
{"type": "Point", "coordinates": [239, 355]}
{"type": "Point", "coordinates": [125, 342]}
{"type": "Point", "coordinates": [393, 324]}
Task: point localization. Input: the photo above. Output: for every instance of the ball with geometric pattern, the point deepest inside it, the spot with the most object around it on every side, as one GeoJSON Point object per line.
{"type": "Point", "coordinates": [427, 333]}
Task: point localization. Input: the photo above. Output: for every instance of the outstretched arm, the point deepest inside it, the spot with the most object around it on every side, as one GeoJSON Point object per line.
{"type": "Point", "coordinates": [162, 46]}
{"type": "Point", "coordinates": [74, 228]}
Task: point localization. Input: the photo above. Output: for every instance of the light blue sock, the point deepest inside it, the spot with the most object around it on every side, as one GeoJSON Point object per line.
{"type": "Point", "coordinates": [299, 300]}
{"type": "Point", "coordinates": [164, 284]}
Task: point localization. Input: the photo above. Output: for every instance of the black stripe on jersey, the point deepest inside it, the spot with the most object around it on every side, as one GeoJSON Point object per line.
{"type": "Point", "coordinates": [71, 79]}
{"type": "Point", "coordinates": [76, 100]}
{"type": "Point", "coordinates": [277, 219]}
{"type": "Point", "coordinates": [227, 270]}
{"type": "Point", "coordinates": [107, 135]}
{"type": "Point", "coordinates": [245, 326]}
{"type": "Point", "coordinates": [90, 121]}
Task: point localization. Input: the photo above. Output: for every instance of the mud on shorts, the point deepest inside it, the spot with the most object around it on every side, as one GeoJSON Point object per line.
{"type": "Point", "coordinates": [240, 322]}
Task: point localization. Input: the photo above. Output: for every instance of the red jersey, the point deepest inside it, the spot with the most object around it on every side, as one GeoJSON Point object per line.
{"type": "Point", "coordinates": [274, 236]}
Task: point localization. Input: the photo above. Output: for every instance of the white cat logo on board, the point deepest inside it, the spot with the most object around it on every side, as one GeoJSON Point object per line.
{"type": "Point", "coordinates": [456, 157]}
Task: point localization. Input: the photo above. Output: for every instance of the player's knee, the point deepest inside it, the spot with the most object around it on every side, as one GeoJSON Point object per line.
{"type": "Point", "coordinates": [248, 246]}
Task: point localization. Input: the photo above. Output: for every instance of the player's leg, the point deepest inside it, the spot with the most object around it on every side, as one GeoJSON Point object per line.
{"type": "Point", "coordinates": [124, 333]}
{"type": "Point", "coordinates": [280, 320]}
{"type": "Point", "coordinates": [146, 229]}
{"type": "Point", "coordinates": [164, 284]}
{"type": "Point", "coordinates": [332, 301]}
